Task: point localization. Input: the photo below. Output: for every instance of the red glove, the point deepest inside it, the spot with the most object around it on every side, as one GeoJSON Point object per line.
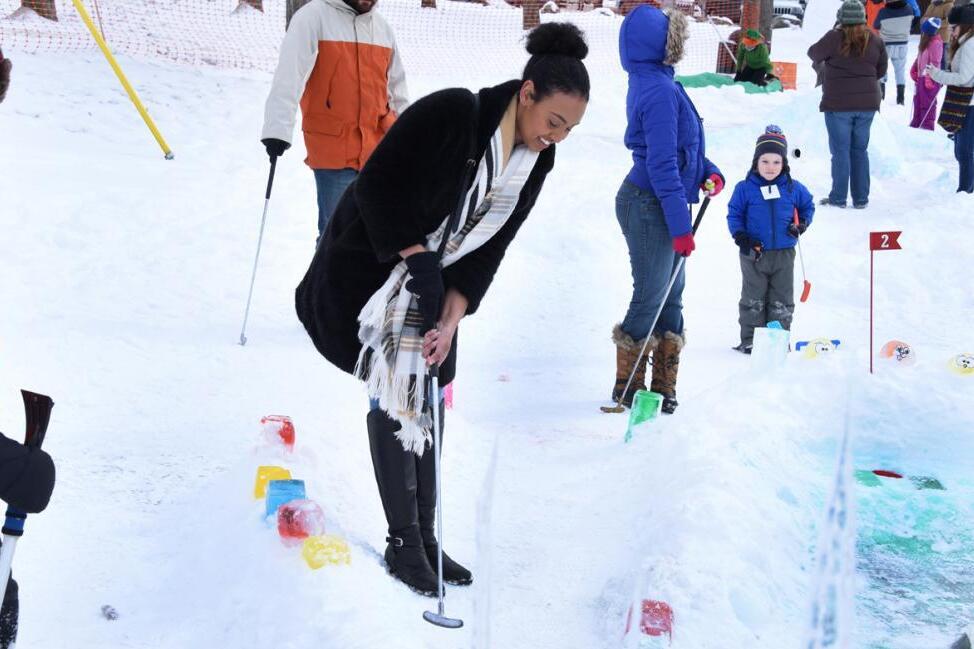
{"type": "Point", "coordinates": [683, 245]}
{"type": "Point", "coordinates": [713, 185]}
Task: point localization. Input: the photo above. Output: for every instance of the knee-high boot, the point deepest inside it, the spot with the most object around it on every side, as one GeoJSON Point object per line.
{"type": "Point", "coordinates": [395, 475]}
{"type": "Point", "coordinates": [453, 572]}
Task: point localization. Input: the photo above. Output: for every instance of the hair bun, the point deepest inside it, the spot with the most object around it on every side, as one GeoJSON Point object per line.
{"type": "Point", "coordinates": [557, 38]}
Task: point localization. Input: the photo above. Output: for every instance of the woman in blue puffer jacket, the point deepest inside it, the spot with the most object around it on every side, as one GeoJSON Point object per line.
{"type": "Point", "coordinates": [665, 134]}
{"type": "Point", "coordinates": [766, 214]}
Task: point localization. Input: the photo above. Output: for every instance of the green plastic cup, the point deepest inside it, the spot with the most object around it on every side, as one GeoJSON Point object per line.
{"type": "Point", "coordinates": [645, 406]}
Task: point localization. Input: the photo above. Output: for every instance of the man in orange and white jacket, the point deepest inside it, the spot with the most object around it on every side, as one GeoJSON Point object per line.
{"type": "Point", "coordinates": [340, 62]}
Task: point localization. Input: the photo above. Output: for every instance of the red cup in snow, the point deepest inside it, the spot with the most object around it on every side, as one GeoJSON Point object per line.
{"type": "Point", "coordinates": [279, 429]}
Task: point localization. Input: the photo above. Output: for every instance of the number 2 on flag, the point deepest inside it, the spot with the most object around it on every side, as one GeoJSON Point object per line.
{"type": "Point", "coordinates": [885, 240]}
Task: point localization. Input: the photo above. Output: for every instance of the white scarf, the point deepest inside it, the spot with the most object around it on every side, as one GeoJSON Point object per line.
{"type": "Point", "coordinates": [391, 361]}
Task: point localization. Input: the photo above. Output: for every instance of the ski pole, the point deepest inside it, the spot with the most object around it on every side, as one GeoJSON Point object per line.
{"type": "Point", "coordinates": [439, 618]}
{"type": "Point", "coordinates": [260, 239]}
{"type": "Point", "coordinates": [806, 285]}
{"type": "Point", "coordinates": [37, 408]}
{"type": "Point", "coordinates": [669, 287]}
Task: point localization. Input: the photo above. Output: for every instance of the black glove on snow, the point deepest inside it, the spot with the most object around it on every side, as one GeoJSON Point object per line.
{"type": "Point", "coordinates": [797, 229]}
{"type": "Point", "coordinates": [275, 148]}
{"type": "Point", "coordinates": [427, 283]}
{"type": "Point", "coordinates": [748, 245]}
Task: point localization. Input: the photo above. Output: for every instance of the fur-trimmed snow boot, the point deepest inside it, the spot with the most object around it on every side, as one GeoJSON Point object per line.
{"type": "Point", "coordinates": [627, 353]}
{"type": "Point", "coordinates": [666, 364]}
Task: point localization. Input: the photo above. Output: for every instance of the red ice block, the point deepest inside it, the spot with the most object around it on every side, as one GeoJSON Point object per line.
{"type": "Point", "coordinates": [656, 619]}
{"type": "Point", "coordinates": [299, 519]}
{"type": "Point", "coordinates": [280, 429]}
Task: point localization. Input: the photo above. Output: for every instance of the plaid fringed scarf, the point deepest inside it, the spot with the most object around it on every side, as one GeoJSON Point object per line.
{"type": "Point", "coordinates": [391, 361]}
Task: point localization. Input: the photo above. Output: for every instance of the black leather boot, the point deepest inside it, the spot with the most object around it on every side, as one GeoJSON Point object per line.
{"type": "Point", "coordinates": [395, 475]}
{"type": "Point", "coordinates": [453, 572]}
{"type": "Point", "coordinates": [900, 94]}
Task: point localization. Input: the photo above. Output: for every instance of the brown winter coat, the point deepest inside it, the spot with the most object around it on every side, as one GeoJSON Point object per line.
{"type": "Point", "coordinates": [850, 83]}
{"type": "Point", "coordinates": [940, 10]}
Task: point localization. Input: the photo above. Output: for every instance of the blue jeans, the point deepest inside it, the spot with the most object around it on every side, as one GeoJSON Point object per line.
{"type": "Point", "coordinates": [331, 184]}
{"type": "Point", "coordinates": [964, 153]}
{"type": "Point", "coordinates": [897, 57]}
{"type": "Point", "coordinates": [848, 141]}
{"type": "Point", "coordinates": [652, 260]}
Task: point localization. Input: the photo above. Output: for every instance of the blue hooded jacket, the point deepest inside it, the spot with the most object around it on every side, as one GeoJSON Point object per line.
{"type": "Point", "coordinates": [664, 131]}
{"type": "Point", "coordinates": [766, 220]}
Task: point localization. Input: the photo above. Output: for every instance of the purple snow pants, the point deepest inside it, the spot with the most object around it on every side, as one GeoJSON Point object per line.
{"type": "Point", "coordinates": [925, 106]}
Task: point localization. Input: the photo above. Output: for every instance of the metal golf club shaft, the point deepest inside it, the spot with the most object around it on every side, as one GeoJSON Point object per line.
{"type": "Point", "coordinates": [438, 618]}
{"type": "Point", "coordinates": [260, 238]}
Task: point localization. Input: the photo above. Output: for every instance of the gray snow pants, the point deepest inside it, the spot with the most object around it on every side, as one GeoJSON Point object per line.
{"type": "Point", "coordinates": [767, 291]}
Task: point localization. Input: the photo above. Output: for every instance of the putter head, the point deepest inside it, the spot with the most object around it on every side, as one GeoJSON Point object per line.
{"type": "Point", "coordinates": [442, 620]}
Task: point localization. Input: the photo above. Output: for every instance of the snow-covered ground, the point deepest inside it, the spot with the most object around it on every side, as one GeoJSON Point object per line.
{"type": "Point", "coordinates": [123, 279]}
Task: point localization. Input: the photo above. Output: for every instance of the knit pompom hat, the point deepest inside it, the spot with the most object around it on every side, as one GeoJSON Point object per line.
{"type": "Point", "coordinates": [771, 141]}
{"type": "Point", "coordinates": [852, 12]}
{"type": "Point", "coordinates": [930, 26]}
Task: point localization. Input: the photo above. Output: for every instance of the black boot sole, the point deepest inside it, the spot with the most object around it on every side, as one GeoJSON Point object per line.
{"type": "Point", "coordinates": [418, 591]}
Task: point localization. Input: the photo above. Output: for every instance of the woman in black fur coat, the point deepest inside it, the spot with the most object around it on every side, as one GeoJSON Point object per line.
{"type": "Point", "coordinates": [382, 299]}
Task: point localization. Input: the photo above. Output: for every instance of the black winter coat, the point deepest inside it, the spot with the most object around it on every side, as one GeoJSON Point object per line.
{"type": "Point", "coordinates": [408, 186]}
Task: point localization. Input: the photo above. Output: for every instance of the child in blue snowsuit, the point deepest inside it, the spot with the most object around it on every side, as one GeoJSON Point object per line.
{"type": "Point", "coordinates": [767, 213]}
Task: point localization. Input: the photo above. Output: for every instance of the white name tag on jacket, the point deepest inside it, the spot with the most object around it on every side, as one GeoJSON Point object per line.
{"type": "Point", "coordinates": [770, 192]}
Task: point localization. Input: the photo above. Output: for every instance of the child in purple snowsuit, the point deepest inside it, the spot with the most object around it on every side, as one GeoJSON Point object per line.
{"type": "Point", "coordinates": [925, 96]}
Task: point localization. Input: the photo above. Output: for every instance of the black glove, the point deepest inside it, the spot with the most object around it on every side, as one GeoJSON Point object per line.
{"type": "Point", "coordinates": [797, 229]}
{"type": "Point", "coordinates": [748, 245]}
{"type": "Point", "coordinates": [427, 283]}
{"type": "Point", "coordinates": [275, 148]}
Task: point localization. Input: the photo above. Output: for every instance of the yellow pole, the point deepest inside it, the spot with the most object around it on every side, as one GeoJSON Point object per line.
{"type": "Point", "coordinates": [121, 77]}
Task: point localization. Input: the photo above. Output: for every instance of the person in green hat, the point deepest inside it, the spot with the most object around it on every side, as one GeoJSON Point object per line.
{"type": "Point", "coordinates": [753, 59]}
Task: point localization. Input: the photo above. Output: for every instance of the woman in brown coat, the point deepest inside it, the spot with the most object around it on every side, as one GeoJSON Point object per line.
{"type": "Point", "coordinates": [852, 60]}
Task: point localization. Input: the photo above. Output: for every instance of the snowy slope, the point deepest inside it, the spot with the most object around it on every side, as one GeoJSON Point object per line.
{"type": "Point", "coordinates": [124, 278]}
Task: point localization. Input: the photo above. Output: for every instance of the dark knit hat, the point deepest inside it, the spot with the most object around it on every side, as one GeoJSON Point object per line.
{"type": "Point", "coordinates": [963, 15]}
{"type": "Point", "coordinates": [852, 12]}
{"type": "Point", "coordinates": [771, 141]}
{"type": "Point", "coordinates": [930, 26]}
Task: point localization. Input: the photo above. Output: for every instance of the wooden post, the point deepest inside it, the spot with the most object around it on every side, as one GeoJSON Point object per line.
{"type": "Point", "coordinates": [764, 22]}
{"type": "Point", "coordinates": [44, 8]}
{"type": "Point", "coordinates": [427, 4]}
{"type": "Point", "coordinates": [751, 17]}
{"type": "Point", "coordinates": [290, 8]}
{"type": "Point", "coordinates": [531, 14]}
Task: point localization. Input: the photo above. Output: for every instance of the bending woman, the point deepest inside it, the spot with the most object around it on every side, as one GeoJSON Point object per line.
{"type": "Point", "coordinates": [377, 281]}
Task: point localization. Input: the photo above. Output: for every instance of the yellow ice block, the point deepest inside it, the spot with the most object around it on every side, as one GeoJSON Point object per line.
{"type": "Point", "coordinates": [325, 550]}
{"type": "Point", "coordinates": [265, 474]}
